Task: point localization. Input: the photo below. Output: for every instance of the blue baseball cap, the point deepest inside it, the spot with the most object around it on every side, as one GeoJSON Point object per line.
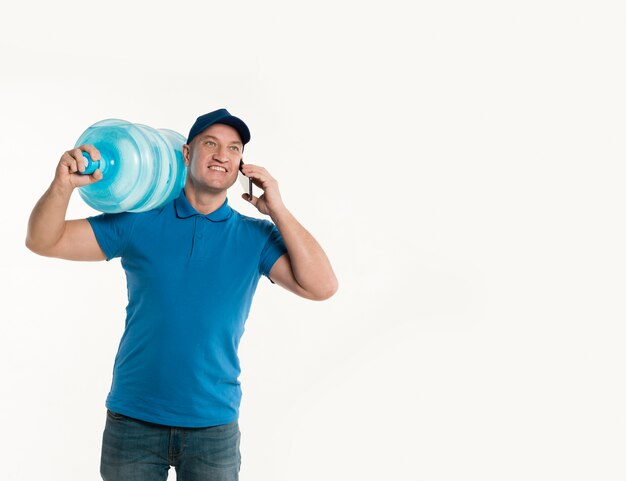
{"type": "Point", "coordinates": [221, 116]}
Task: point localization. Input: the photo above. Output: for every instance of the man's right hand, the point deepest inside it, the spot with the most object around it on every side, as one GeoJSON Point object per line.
{"type": "Point", "coordinates": [49, 234]}
{"type": "Point", "coordinates": [72, 162]}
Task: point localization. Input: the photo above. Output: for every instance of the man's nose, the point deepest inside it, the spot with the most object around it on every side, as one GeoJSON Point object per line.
{"type": "Point", "coordinates": [221, 155]}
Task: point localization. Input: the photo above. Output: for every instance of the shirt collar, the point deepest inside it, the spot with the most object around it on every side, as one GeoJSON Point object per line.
{"type": "Point", "coordinates": [185, 210]}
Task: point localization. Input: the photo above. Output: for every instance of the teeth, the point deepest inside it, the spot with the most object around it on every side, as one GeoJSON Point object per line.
{"type": "Point", "coordinates": [219, 169]}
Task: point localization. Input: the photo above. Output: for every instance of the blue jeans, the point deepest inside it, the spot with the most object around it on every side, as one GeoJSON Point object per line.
{"type": "Point", "coordinates": [134, 450]}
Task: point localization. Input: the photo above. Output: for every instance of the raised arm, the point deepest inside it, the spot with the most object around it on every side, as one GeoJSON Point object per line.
{"type": "Point", "coordinates": [305, 270]}
{"type": "Point", "coordinates": [49, 234]}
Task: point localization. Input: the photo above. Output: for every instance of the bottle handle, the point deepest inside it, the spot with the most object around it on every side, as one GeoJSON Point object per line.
{"type": "Point", "coordinates": [90, 165]}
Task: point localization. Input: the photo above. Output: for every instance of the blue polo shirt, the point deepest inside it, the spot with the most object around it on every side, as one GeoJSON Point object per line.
{"type": "Point", "coordinates": [191, 279]}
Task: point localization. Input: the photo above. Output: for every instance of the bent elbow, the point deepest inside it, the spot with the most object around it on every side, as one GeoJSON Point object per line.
{"type": "Point", "coordinates": [329, 291]}
{"type": "Point", "coordinates": [30, 245]}
{"type": "Point", "coordinates": [36, 248]}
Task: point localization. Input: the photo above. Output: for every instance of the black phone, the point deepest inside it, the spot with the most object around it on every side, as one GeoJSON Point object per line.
{"type": "Point", "coordinates": [242, 178]}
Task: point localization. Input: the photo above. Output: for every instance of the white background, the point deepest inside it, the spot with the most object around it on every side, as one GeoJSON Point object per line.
{"type": "Point", "coordinates": [462, 164]}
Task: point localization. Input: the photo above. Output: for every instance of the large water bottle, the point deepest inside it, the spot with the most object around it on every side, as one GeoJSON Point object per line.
{"type": "Point", "coordinates": [142, 168]}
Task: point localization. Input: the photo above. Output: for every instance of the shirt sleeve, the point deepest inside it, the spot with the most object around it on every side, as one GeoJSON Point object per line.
{"type": "Point", "coordinates": [112, 232]}
{"type": "Point", "coordinates": [273, 249]}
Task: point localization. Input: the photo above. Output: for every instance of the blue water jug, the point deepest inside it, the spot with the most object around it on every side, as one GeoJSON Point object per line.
{"type": "Point", "coordinates": [142, 168]}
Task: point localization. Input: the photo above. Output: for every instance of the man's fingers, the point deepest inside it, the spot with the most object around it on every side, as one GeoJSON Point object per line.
{"type": "Point", "coordinates": [91, 178]}
{"type": "Point", "coordinates": [79, 180]}
{"type": "Point", "coordinates": [253, 201]}
{"type": "Point", "coordinates": [251, 170]}
{"type": "Point", "coordinates": [69, 160]}
{"type": "Point", "coordinates": [91, 150]}
{"type": "Point", "coordinates": [258, 182]}
{"type": "Point", "coordinates": [259, 177]}
{"type": "Point", "coordinates": [80, 161]}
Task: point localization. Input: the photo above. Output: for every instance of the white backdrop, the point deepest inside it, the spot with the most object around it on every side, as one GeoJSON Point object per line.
{"type": "Point", "coordinates": [462, 163]}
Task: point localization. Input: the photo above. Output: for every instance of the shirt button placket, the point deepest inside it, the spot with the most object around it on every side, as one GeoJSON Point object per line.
{"type": "Point", "coordinates": [199, 237]}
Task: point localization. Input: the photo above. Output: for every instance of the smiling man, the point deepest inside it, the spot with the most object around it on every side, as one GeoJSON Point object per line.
{"type": "Point", "coordinates": [192, 268]}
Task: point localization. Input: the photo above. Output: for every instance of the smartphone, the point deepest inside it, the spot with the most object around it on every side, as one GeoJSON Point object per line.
{"type": "Point", "coordinates": [246, 182]}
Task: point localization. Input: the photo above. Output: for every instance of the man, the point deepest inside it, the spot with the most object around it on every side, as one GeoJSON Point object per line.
{"type": "Point", "coordinates": [192, 267]}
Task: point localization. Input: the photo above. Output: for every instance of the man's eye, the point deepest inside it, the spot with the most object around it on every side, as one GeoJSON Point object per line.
{"type": "Point", "coordinates": [210, 143]}
{"type": "Point", "coordinates": [234, 148]}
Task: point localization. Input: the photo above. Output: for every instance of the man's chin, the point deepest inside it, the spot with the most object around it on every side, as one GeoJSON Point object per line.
{"type": "Point", "coordinates": [218, 188]}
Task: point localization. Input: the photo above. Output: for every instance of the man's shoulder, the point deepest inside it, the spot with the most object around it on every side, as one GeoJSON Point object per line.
{"type": "Point", "coordinates": [252, 222]}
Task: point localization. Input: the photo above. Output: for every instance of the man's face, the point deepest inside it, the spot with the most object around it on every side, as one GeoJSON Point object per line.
{"type": "Point", "coordinates": [213, 158]}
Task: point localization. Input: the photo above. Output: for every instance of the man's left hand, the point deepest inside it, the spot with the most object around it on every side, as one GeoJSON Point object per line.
{"type": "Point", "coordinates": [270, 202]}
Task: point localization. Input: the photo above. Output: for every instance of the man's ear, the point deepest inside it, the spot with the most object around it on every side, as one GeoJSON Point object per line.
{"type": "Point", "coordinates": [186, 154]}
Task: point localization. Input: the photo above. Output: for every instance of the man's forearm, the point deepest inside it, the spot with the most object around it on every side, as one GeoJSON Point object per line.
{"type": "Point", "coordinates": [309, 263]}
{"type": "Point", "coordinates": [47, 221]}
{"type": "Point", "coordinates": [306, 270]}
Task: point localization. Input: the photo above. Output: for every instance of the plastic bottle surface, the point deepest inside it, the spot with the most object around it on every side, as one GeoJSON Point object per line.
{"type": "Point", "coordinates": [142, 168]}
